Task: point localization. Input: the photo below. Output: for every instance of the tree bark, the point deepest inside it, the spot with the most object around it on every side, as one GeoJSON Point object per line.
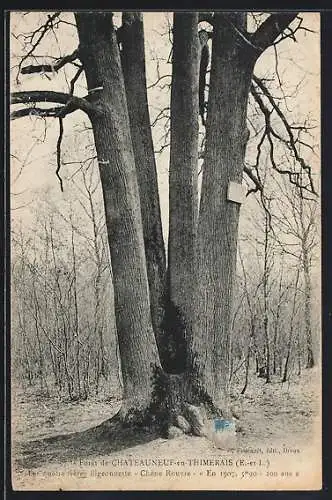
{"type": "Point", "coordinates": [99, 53]}
{"type": "Point", "coordinates": [226, 137]}
{"type": "Point", "coordinates": [131, 38]}
{"type": "Point", "coordinates": [183, 184]}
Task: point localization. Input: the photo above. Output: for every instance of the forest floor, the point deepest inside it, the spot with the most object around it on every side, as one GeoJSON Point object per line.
{"type": "Point", "coordinates": [269, 414]}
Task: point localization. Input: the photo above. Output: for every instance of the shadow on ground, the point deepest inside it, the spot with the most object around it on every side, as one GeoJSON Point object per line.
{"type": "Point", "coordinates": [110, 436]}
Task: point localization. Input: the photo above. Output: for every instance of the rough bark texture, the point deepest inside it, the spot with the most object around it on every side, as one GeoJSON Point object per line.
{"type": "Point", "coordinates": [139, 355]}
{"type": "Point", "coordinates": [226, 137]}
{"type": "Point", "coordinates": [183, 183]}
{"type": "Point", "coordinates": [131, 39]}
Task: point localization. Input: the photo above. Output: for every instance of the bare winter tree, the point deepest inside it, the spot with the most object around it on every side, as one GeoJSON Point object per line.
{"type": "Point", "coordinates": [300, 222]}
{"type": "Point", "coordinates": [60, 281]}
{"type": "Point", "coordinates": [173, 327]}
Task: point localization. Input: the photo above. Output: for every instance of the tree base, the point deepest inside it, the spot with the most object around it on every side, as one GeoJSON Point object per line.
{"type": "Point", "coordinates": [176, 407]}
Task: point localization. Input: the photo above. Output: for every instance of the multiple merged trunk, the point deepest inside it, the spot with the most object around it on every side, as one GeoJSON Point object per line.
{"type": "Point", "coordinates": [200, 279]}
{"type": "Point", "coordinates": [183, 326]}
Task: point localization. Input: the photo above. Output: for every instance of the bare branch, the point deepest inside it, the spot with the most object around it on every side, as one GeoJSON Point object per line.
{"type": "Point", "coordinates": [158, 80]}
{"type": "Point", "coordinates": [163, 114]}
{"type": "Point", "coordinates": [58, 152]}
{"type": "Point", "coordinates": [258, 185]}
{"type": "Point", "coordinates": [42, 30]}
{"type": "Point", "coordinates": [291, 144]}
{"type": "Point", "coordinates": [74, 79]}
{"type": "Point", "coordinates": [270, 132]}
{"type": "Point", "coordinates": [71, 103]}
{"type": "Point", "coordinates": [50, 68]}
{"type": "Point", "coordinates": [41, 112]}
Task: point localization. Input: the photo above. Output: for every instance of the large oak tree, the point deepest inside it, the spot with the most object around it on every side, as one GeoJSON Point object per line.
{"type": "Point", "coordinates": [173, 324]}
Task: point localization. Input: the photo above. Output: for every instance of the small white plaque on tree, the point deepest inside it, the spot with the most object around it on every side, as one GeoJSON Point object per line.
{"type": "Point", "coordinates": [236, 192]}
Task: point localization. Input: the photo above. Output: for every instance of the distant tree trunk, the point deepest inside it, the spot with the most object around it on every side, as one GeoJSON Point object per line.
{"type": "Point", "coordinates": [275, 339]}
{"type": "Point", "coordinates": [76, 314]}
{"type": "Point", "coordinates": [310, 362]}
{"type": "Point", "coordinates": [131, 39]}
{"type": "Point", "coordinates": [291, 329]}
{"type": "Point", "coordinates": [298, 345]}
{"type": "Point", "coordinates": [266, 323]}
{"type": "Point", "coordinates": [276, 326]}
{"type": "Point", "coordinates": [251, 339]}
{"type": "Point", "coordinates": [226, 138]}
{"type": "Point", "coordinates": [183, 185]}
{"type": "Point", "coordinates": [98, 290]}
{"type": "Point", "coordinates": [100, 56]}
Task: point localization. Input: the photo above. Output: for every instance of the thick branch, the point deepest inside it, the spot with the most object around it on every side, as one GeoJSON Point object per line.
{"type": "Point", "coordinates": [50, 68]}
{"type": "Point", "coordinates": [71, 103]}
{"type": "Point", "coordinates": [41, 112]}
{"type": "Point", "coordinates": [42, 30]}
{"type": "Point", "coordinates": [58, 152]}
{"type": "Point", "coordinates": [270, 29]}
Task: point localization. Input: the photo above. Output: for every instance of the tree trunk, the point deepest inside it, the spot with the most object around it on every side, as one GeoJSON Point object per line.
{"type": "Point", "coordinates": [276, 324]}
{"type": "Point", "coordinates": [307, 308]}
{"type": "Point", "coordinates": [291, 330]}
{"type": "Point", "coordinates": [131, 38]}
{"type": "Point", "coordinates": [275, 338]}
{"type": "Point", "coordinates": [226, 138]}
{"type": "Point", "coordinates": [251, 339]}
{"type": "Point", "coordinates": [76, 313]}
{"type": "Point", "coordinates": [266, 322]}
{"type": "Point", "coordinates": [183, 185]}
{"type": "Point", "coordinates": [298, 345]}
{"type": "Point", "coordinates": [99, 53]}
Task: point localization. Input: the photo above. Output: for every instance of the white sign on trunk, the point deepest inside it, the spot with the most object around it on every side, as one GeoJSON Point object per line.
{"type": "Point", "coordinates": [236, 192]}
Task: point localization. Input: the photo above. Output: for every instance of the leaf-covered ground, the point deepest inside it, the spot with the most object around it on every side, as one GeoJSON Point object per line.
{"type": "Point", "coordinates": [42, 427]}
